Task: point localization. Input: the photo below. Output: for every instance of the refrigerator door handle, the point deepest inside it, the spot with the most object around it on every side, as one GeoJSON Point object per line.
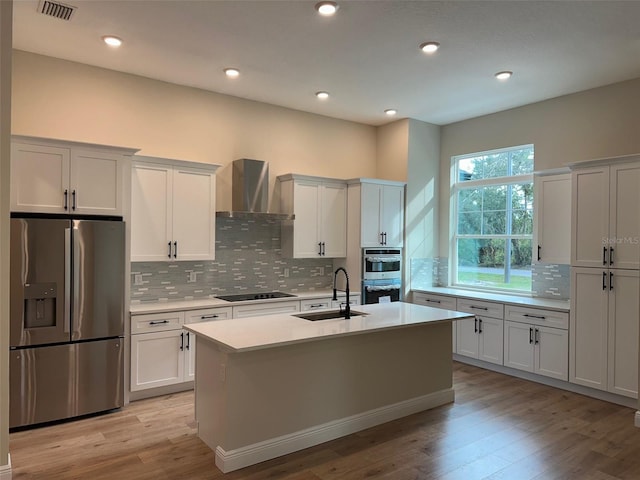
{"type": "Point", "coordinates": [67, 280]}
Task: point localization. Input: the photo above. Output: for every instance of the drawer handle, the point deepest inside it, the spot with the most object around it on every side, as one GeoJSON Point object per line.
{"type": "Point", "coordinates": [475, 307]}
{"type": "Point", "coordinates": [433, 301]}
{"type": "Point", "coordinates": [316, 305]}
{"type": "Point", "coordinates": [204, 317]}
{"type": "Point", "coordinates": [541, 317]}
{"type": "Point", "coordinates": [158, 322]}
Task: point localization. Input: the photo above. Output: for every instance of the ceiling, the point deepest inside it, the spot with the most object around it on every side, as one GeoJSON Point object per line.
{"type": "Point", "coordinates": [366, 56]}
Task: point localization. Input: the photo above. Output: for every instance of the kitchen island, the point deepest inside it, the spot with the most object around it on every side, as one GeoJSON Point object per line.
{"type": "Point", "coordinates": [268, 386]}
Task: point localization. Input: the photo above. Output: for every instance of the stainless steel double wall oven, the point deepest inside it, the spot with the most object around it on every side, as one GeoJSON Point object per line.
{"type": "Point", "coordinates": [381, 275]}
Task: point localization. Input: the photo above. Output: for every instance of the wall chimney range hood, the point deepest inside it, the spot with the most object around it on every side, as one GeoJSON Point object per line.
{"type": "Point", "coordinates": [250, 191]}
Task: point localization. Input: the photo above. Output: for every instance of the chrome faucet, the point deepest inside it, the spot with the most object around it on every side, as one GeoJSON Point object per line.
{"type": "Point", "coordinates": [347, 309]}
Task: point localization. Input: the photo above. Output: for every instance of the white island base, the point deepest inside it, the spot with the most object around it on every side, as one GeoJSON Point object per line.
{"type": "Point", "coordinates": [259, 403]}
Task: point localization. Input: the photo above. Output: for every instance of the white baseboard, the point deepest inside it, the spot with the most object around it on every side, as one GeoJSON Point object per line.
{"type": "Point", "coordinates": [275, 447]}
{"type": "Point", "coordinates": [636, 419]}
{"type": "Point", "coordinates": [5, 470]}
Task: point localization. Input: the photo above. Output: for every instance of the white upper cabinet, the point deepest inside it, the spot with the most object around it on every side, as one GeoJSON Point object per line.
{"type": "Point", "coordinates": [606, 225]}
{"type": "Point", "coordinates": [320, 208]}
{"type": "Point", "coordinates": [172, 210]}
{"type": "Point", "coordinates": [381, 213]}
{"type": "Point", "coordinates": [51, 176]}
{"type": "Point", "coordinates": [552, 222]}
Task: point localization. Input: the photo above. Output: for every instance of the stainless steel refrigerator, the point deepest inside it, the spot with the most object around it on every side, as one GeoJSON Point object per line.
{"type": "Point", "coordinates": [67, 318]}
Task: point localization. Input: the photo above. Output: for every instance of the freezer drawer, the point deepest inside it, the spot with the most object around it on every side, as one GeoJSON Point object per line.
{"type": "Point", "coordinates": [63, 381]}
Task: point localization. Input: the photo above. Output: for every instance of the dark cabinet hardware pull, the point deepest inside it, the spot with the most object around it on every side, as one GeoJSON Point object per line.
{"type": "Point", "coordinates": [381, 238]}
{"type": "Point", "coordinates": [475, 325]}
{"type": "Point", "coordinates": [604, 255]}
{"type": "Point", "coordinates": [541, 317]}
{"type": "Point", "coordinates": [169, 244]}
{"type": "Point", "coordinates": [175, 249]}
{"type": "Point", "coordinates": [319, 248]}
{"type": "Point", "coordinates": [610, 280]}
{"type": "Point", "coordinates": [188, 341]}
{"type": "Point", "coordinates": [539, 247]}
{"type": "Point", "coordinates": [316, 305]}
{"type": "Point", "coordinates": [204, 317]}
{"type": "Point", "coordinates": [433, 301]}
{"type": "Point", "coordinates": [479, 308]}
{"type": "Point", "coordinates": [158, 322]}
{"type": "Point", "coordinates": [604, 280]}
{"type": "Point", "coordinates": [66, 199]}
{"type": "Point", "coordinates": [531, 335]}
{"type": "Point", "coordinates": [182, 341]}
{"type": "Point", "coordinates": [324, 251]}
{"type": "Point", "coordinates": [610, 255]}
{"type": "Point", "coordinates": [73, 200]}
{"type": "Point", "coordinates": [479, 325]}
{"type": "Point", "coordinates": [536, 336]}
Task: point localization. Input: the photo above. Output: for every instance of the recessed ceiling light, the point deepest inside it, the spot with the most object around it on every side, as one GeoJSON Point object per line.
{"type": "Point", "coordinates": [391, 111]}
{"type": "Point", "coordinates": [112, 41]}
{"type": "Point", "coordinates": [430, 47]}
{"type": "Point", "coordinates": [506, 75]}
{"type": "Point", "coordinates": [232, 72]}
{"type": "Point", "coordinates": [327, 9]}
{"type": "Point", "coordinates": [322, 95]}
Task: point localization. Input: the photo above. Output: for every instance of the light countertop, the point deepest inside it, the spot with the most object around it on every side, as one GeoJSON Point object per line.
{"type": "Point", "coordinates": [253, 333]}
{"type": "Point", "coordinates": [179, 305]}
{"type": "Point", "coordinates": [550, 303]}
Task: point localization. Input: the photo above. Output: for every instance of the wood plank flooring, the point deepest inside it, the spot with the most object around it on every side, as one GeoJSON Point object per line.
{"type": "Point", "coordinates": [499, 428]}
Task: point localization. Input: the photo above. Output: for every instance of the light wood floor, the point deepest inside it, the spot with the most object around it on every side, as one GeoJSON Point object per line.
{"type": "Point", "coordinates": [499, 427]}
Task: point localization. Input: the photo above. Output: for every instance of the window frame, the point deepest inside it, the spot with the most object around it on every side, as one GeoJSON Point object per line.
{"type": "Point", "coordinates": [455, 188]}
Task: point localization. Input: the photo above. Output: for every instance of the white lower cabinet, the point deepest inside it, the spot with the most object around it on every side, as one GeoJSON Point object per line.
{"type": "Point", "coordinates": [482, 336]}
{"type": "Point", "coordinates": [536, 349]}
{"type": "Point", "coordinates": [162, 352]}
{"type": "Point", "coordinates": [271, 308]}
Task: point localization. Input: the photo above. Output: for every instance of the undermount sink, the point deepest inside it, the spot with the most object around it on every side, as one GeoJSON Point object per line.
{"type": "Point", "coordinates": [326, 315]}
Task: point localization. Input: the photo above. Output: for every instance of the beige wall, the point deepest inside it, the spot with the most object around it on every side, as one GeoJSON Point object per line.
{"type": "Point", "coordinates": [6, 15]}
{"type": "Point", "coordinates": [60, 99]}
{"type": "Point", "coordinates": [393, 150]}
{"type": "Point", "coordinates": [597, 123]}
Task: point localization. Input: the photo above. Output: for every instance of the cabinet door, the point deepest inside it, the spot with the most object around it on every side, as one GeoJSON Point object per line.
{"type": "Point", "coordinates": [96, 183]}
{"type": "Point", "coordinates": [467, 337]}
{"type": "Point", "coordinates": [624, 312]}
{"type": "Point", "coordinates": [333, 220]}
{"type": "Point", "coordinates": [392, 215]}
{"type": "Point", "coordinates": [624, 221]}
{"type": "Point", "coordinates": [151, 212]}
{"type": "Point", "coordinates": [39, 178]}
{"type": "Point", "coordinates": [193, 214]}
{"type": "Point", "coordinates": [552, 352]}
{"type": "Point", "coordinates": [306, 229]}
{"type": "Point", "coordinates": [490, 339]}
{"type": "Point", "coordinates": [588, 327]}
{"type": "Point", "coordinates": [157, 359]}
{"type": "Point", "coordinates": [198, 316]}
{"type": "Point", "coordinates": [552, 224]}
{"type": "Point", "coordinates": [518, 346]}
{"type": "Point", "coordinates": [370, 228]}
{"type": "Point", "coordinates": [590, 216]}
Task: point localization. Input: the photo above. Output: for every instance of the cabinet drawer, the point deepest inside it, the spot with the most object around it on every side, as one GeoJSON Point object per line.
{"type": "Point", "coordinates": [156, 322]}
{"type": "Point", "coordinates": [207, 314]}
{"type": "Point", "coordinates": [433, 300]}
{"type": "Point", "coordinates": [314, 304]}
{"type": "Point", "coordinates": [340, 303]}
{"type": "Point", "coordinates": [537, 316]}
{"type": "Point", "coordinates": [270, 308]}
{"type": "Point", "coordinates": [480, 307]}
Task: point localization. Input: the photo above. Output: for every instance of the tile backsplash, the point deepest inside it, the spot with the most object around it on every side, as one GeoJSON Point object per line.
{"type": "Point", "coordinates": [248, 260]}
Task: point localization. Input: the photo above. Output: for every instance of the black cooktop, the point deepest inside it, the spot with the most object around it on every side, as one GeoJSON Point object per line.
{"type": "Point", "coordinates": [242, 297]}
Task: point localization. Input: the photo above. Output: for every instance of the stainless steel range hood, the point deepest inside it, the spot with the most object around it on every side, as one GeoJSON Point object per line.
{"type": "Point", "coordinates": [250, 191]}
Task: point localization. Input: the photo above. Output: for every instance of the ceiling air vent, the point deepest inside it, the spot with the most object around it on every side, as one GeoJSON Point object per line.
{"type": "Point", "coordinates": [56, 9]}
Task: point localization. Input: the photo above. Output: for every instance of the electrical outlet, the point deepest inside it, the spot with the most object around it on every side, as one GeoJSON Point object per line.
{"type": "Point", "coordinates": [286, 273]}
{"type": "Point", "coordinates": [192, 276]}
{"type": "Point", "coordinates": [137, 279]}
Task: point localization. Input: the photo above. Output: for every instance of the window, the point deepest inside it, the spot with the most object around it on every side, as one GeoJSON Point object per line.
{"type": "Point", "coordinates": [492, 216]}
